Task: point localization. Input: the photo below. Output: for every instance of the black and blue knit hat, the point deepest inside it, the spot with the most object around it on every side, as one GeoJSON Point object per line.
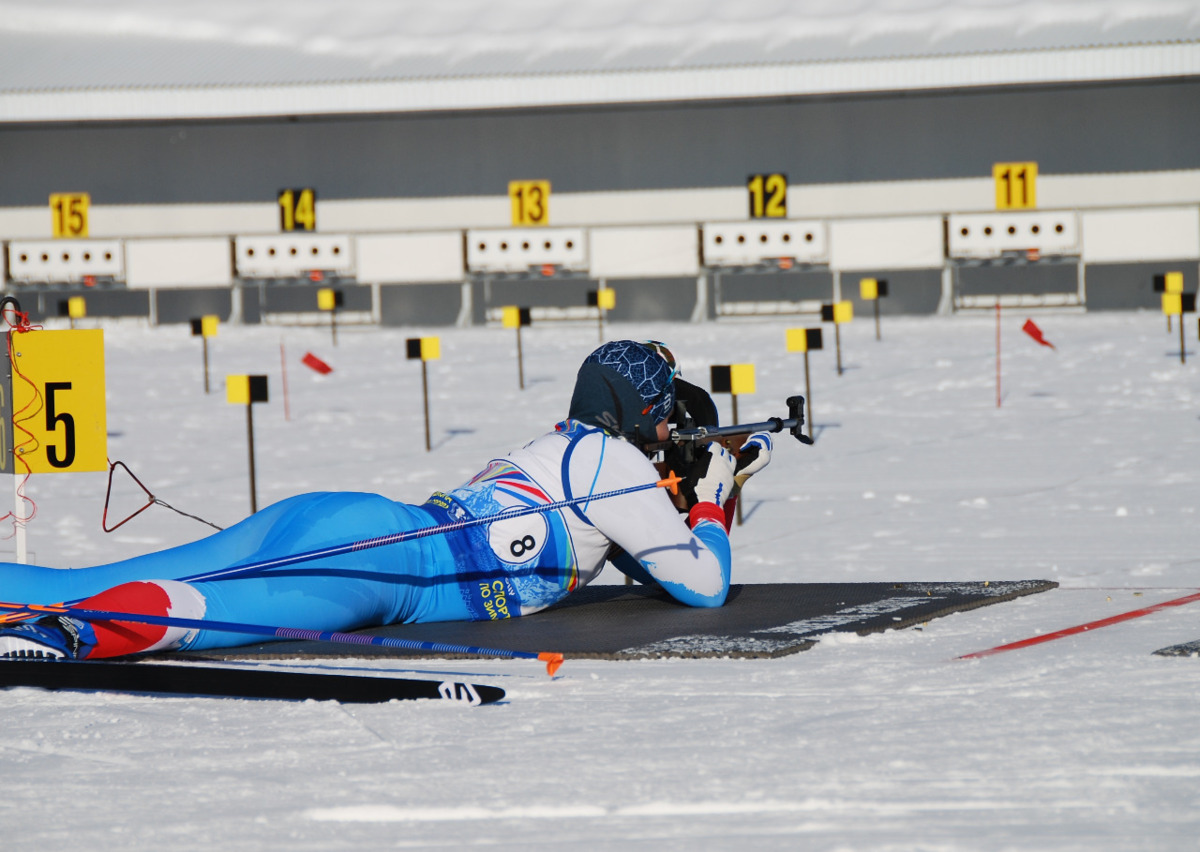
{"type": "Point", "coordinates": [626, 387]}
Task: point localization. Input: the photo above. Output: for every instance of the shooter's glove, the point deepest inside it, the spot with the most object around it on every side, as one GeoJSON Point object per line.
{"type": "Point", "coordinates": [709, 484]}
{"type": "Point", "coordinates": [754, 455]}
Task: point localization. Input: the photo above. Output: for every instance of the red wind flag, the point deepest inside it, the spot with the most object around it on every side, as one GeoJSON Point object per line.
{"type": "Point", "coordinates": [1033, 331]}
{"type": "Point", "coordinates": [313, 362]}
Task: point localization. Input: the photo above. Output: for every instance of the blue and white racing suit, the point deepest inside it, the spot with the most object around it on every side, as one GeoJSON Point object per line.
{"type": "Point", "coordinates": [507, 568]}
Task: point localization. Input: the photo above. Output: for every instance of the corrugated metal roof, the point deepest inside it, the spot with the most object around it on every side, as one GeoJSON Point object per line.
{"type": "Point", "coordinates": [129, 59]}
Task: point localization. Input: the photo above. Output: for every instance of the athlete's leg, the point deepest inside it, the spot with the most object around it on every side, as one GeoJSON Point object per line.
{"type": "Point", "coordinates": [59, 636]}
{"type": "Point", "coordinates": [373, 586]}
{"type": "Point", "coordinates": [39, 584]}
{"type": "Point", "coordinates": [298, 524]}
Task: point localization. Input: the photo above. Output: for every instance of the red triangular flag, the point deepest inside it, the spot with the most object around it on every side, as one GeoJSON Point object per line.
{"type": "Point", "coordinates": [312, 361]}
{"type": "Point", "coordinates": [1033, 331]}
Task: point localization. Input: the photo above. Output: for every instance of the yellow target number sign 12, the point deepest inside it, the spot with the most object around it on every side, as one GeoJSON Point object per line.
{"type": "Point", "coordinates": [57, 421]}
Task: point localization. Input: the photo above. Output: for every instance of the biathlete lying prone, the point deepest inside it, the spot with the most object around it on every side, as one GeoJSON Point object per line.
{"type": "Point", "coordinates": [623, 398]}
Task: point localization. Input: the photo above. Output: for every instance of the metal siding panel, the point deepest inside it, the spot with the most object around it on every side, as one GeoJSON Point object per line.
{"type": "Point", "coordinates": [901, 243]}
{"type": "Point", "coordinates": [1124, 236]}
{"type": "Point", "coordinates": [653, 252]}
{"type": "Point", "coordinates": [420, 304]}
{"type": "Point", "coordinates": [523, 91]}
{"type": "Point", "coordinates": [183, 305]}
{"type": "Point", "coordinates": [178, 263]}
{"type": "Point", "coordinates": [399, 258]}
{"type": "Point", "coordinates": [1130, 286]}
{"type": "Point", "coordinates": [920, 137]}
{"type": "Point", "coordinates": [909, 292]}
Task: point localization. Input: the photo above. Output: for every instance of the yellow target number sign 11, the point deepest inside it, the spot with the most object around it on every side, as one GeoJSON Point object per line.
{"type": "Point", "coordinates": [57, 419]}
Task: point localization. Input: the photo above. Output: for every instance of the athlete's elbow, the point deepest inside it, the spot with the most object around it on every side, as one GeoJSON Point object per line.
{"type": "Point", "coordinates": [711, 602]}
{"type": "Point", "coordinates": [704, 600]}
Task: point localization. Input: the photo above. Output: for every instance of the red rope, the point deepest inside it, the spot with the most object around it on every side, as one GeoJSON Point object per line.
{"type": "Point", "coordinates": [18, 323]}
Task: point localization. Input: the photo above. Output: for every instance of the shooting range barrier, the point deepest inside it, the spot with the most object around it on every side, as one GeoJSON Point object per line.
{"type": "Point", "coordinates": [662, 268]}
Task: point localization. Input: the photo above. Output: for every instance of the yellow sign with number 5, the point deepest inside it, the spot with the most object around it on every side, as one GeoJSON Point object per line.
{"type": "Point", "coordinates": [59, 422]}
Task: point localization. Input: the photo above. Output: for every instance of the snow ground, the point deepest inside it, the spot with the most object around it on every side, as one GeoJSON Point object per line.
{"type": "Point", "coordinates": [1086, 475]}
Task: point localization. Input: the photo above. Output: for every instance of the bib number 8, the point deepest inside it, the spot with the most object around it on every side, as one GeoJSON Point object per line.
{"type": "Point", "coordinates": [521, 546]}
{"type": "Point", "coordinates": [518, 540]}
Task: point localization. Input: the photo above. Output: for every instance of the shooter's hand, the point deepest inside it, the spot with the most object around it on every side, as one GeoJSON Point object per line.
{"type": "Point", "coordinates": [711, 477]}
{"type": "Point", "coordinates": [754, 455]}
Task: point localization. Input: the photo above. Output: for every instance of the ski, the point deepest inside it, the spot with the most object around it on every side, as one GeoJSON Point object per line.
{"type": "Point", "coordinates": [1187, 649]}
{"type": "Point", "coordinates": [219, 682]}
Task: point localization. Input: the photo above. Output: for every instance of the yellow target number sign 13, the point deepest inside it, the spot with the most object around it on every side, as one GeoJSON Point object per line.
{"type": "Point", "coordinates": [530, 201]}
{"type": "Point", "coordinates": [58, 417]}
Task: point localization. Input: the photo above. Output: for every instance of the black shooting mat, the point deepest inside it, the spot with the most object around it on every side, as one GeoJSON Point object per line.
{"type": "Point", "coordinates": [640, 622]}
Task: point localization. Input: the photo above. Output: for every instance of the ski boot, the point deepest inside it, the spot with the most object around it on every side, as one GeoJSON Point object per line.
{"type": "Point", "coordinates": [54, 637]}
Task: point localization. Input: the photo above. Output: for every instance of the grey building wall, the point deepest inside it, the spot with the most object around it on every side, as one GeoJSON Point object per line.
{"type": "Point", "coordinates": [1094, 128]}
{"type": "Point", "coordinates": [291, 298]}
{"type": "Point", "coordinates": [173, 306]}
{"type": "Point", "coordinates": [1066, 129]}
{"type": "Point", "coordinates": [731, 288]}
{"type": "Point", "coordinates": [638, 299]}
{"type": "Point", "coordinates": [1046, 276]}
{"type": "Point", "coordinates": [654, 299]}
{"type": "Point", "coordinates": [51, 302]}
{"type": "Point", "coordinates": [910, 291]}
{"type": "Point", "coordinates": [1128, 286]}
{"type": "Point", "coordinates": [419, 304]}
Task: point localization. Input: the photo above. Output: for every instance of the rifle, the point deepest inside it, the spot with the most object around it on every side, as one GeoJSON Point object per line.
{"type": "Point", "coordinates": [687, 434]}
{"type": "Point", "coordinates": [680, 447]}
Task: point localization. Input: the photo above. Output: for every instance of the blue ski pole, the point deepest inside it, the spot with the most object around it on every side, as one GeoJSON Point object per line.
{"type": "Point", "coordinates": [552, 659]}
